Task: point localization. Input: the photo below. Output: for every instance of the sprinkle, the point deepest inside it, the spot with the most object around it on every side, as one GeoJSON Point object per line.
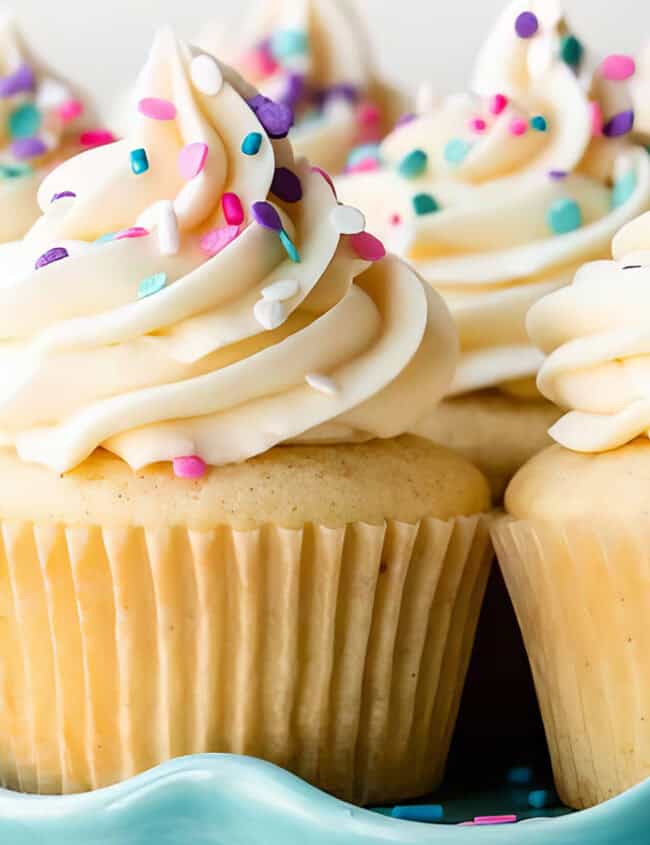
{"type": "Point", "coordinates": [395, 219]}
{"type": "Point", "coordinates": [413, 164]}
{"type": "Point", "coordinates": [633, 267]}
{"type": "Point", "coordinates": [52, 255]}
{"type": "Point", "coordinates": [424, 204]}
{"type": "Point", "coordinates": [25, 148]}
{"type": "Point", "coordinates": [367, 165]}
{"type": "Point", "coordinates": [276, 118]}
{"type": "Point", "coordinates": [323, 384]}
{"type": "Point", "coordinates": [288, 42]}
{"type": "Point", "coordinates": [133, 232]}
{"type": "Point", "coordinates": [368, 115]}
{"type": "Point", "coordinates": [348, 220]}
{"type": "Point", "coordinates": [168, 233]}
{"type": "Point", "coordinates": [620, 124]}
{"type": "Point", "coordinates": [218, 239]}
{"type": "Point", "coordinates": [419, 813]}
{"type": "Point", "coordinates": [405, 119]}
{"type": "Point", "coordinates": [24, 121]}
{"type": "Point", "coordinates": [259, 63]}
{"type": "Point", "coordinates": [498, 104]}
{"type": "Point", "coordinates": [62, 195]}
{"type": "Point", "coordinates": [518, 127]}
{"type": "Point", "coordinates": [206, 75]}
{"type": "Point", "coordinates": [368, 247]}
{"type": "Point", "coordinates": [326, 177]}
{"type": "Point", "coordinates": [15, 171]}
{"type": "Point", "coordinates": [557, 175]}
{"type": "Point", "coordinates": [485, 820]}
{"type": "Point", "coordinates": [139, 161]}
{"type": "Point", "coordinates": [157, 108]}
{"type": "Point", "coordinates": [270, 314]}
{"type": "Point", "coordinates": [266, 215]}
{"type": "Point", "coordinates": [191, 160]}
{"type": "Point", "coordinates": [281, 291]}
{"type": "Point", "coordinates": [564, 216]}
{"type": "Point", "coordinates": [538, 123]}
{"type": "Point", "coordinates": [597, 119]}
{"type": "Point", "coordinates": [540, 798]}
{"type": "Point", "coordinates": [456, 151]}
{"type": "Point", "coordinates": [286, 185]}
{"type": "Point", "coordinates": [96, 138]}
{"type": "Point", "coordinates": [526, 25]}
{"type": "Point", "coordinates": [616, 68]}
{"type": "Point", "coordinates": [152, 284]}
{"type": "Point", "coordinates": [52, 94]}
{"type": "Point", "coordinates": [20, 82]}
{"type": "Point", "coordinates": [232, 209]}
{"type": "Point", "coordinates": [520, 775]}
{"type": "Point", "coordinates": [289, 247]}
{"type": "Point", "coordinates": [70, 110]}
{"type": "Point", "coordinates": [252, 143]}
{"type": "Point", "coordinates": [478, 125]}
{"type": "Point", "coordinates": [106, 239]}
{"type": "Point", "coordinates": [362, 152]}
{"type": "Point", "coordinates": [571, 51]}
{"type": "Point", "coordinates": [624, 189]}
{"type": "Point", "coordinates": [190, 467]}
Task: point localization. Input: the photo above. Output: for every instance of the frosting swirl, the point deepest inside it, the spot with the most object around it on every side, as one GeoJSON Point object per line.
{"type": "Point", "coordinates": [498, 196]}
{"type": "Point", "coordinates": [202, 296]}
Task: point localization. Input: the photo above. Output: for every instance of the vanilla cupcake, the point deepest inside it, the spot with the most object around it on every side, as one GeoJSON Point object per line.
{"type": "Point", "coordinates": [574, 546]}
{"type": "Point", "coordinates": [214, 538]}
{"type": "Point", "coordinates": [313, 55]}
{"type": "Point", "coordinates": [45, 120]}
{"type": "Point", "coordinates": [496, 198]}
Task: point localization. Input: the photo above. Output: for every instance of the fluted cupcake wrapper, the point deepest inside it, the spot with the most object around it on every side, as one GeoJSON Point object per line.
{"type": "Point", "coordinates": [581, 592]}
{"type": "Point", "coordinates": [338, 653]}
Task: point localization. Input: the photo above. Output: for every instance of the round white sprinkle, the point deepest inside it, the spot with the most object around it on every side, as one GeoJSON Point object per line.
{"type": "Point", "coordinates": [269, 314]}
{"type": "Point", "coordinates": [323, 384]}
{"type": "Point", "coordinates": [348, 220]}
{"type": "Point", "coordinates": [206, 75]}
{"type": "Point", "coordinates": [169, 239]}
{"type": "Point", "coordinates": [279, 291]}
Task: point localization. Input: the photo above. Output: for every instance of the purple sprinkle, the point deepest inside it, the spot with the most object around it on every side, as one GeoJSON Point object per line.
{"type": "Point", "coordinates": [266, 216]}
{"type": "Point", "coordinates": [286, 185]}
{"type": "Point", "coordinates": [18, 82]}
{"type": "Point", "coordinates": [276, 118]}
{"type": "Point", "coordinates": [295, 90]}
{"type": "Point", "coordinates": [620, 124]}
{"type": "Point", "coordinates": [24, 148]}
{"type": "Point", "coordinates": [340, 91]}
{"type": "Point", "coordinates": [557, 175]}
{"type": "Point", "coordinates": [405, 119]}
{"type": "Point", "coordinates": [257, 101]}
{"type": "Point", "coordinates": [526, 25]}
{"type": "Point", "coordinates": [62, 195]}
{"type": "Point", "coordinates": [52, 255]}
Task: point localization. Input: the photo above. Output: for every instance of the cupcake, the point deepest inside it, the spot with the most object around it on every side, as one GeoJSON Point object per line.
{"type": "Point", "coordinates": [574, 546]}
{"type": "Point", "coordinates": [214, 536]}
{"type": "Point", "coordinates": [45, 121]}
{"type": "Point", "coordinates": [313, 55]}
{"type": "Point", "coordinates": [497, 197]}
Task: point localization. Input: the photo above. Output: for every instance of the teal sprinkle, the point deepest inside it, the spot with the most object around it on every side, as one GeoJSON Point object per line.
{"type": "Point", "coordinates": [152, 284]}
{"type": "Point", "coordinates": [539, 123]}
{"type": "Point", "coordinates": [564, 216]}
{"type": "Point", "coordinates": [571, 51]}
{"type": "Point", "coordinates": [289, 42]}
{"type": "Point", "coordinates": [107, 238]}
{"type": "Point", "coordinates": [363, 152]}
{"type": "Point", "coordinates": [288, 244]}
{"type": "Point", "coordinates": [15, 171]}
{"type": "Point", "coordinates": [413, 164]}
{"type": "Point", "coordinates": [139, 161]}
{"type": "Point", "coordinates": [624, 189]}
{"type": "Point", "coordinates": [252, 143]}
{"type": "Point", "coordinates": [457, 151]}
{"type": "Point", "coordinates": [540, 798]}
{"type": "Point", "coordinates": [424, 204]}
{"type": "Point", "coordinates": [24, 121]}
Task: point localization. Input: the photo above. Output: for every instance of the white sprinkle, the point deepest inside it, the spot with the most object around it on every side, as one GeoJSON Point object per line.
{"type": "Point", "coordinates": [279, 291]}
{"type": "Point", "coordinates": [52, 93]}
{"type": "Point", "coordinates": [348, 220]}
{"type": "Point", "coordinates": [269, 314]}
{"type": "Point", "coordinates": [169, 238]}
{"type": "Point", "coordinates": [206, 75]}
{"type": "Point", "coordinates": [323, 384]}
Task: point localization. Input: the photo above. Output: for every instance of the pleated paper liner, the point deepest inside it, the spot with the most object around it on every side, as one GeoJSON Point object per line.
{"type": "Point", "coordinates": [581, 592]}
{"type": "Point", "coordinates": [338, 653]}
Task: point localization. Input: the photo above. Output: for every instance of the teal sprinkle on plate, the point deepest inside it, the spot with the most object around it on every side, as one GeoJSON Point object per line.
{"type": "Point", "coordinates": [424, 204]}
{"type": "Point", "coordinates": [252, 143]}
{"type": "Point", "coordinates": [564, 216]}
{"type": "Point", "coordinates": [457, 151]}
{"type": "Point", "coordinates": [571, 51]}
{"type": "Point", "coordinates": [361, 153]}
{"type": "Point", "coordinates": [289, 246]}
{"type": "Point", "coordinates": [152, 284]}
{"type": "Point", "coordinates": [413, 164]}
{"type": "Point", "coordinates": [624, 188]}
{"type": "Point", "coordinates": [538, 123]}
{"type": "Point", "coordinates": [289, 42]}
{"type": "Point", "coordinates": [15, 171]}
{"type": "Point", "coordinates": [25, 121]}
{"type": "Point", "coordinates": [139, 161]}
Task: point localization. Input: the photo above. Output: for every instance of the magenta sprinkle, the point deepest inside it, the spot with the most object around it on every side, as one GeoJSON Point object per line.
{"type": "Point", "coordinates": [485, 820]}
{"type": "Point", "coordinates": [133, 232]}
{"type": "Point", "coordinates": [526, 25]}
{"type": "Point", "coordinates": [190, 467]}
{"type": "Point", "coordinates": [24, 148]}
{"type": "Point", "coordinates": [326, 177]}
{"type": "Point", "coordinates": [232, 209]}
{"type": "Point", "coordinates": [62, 195]}
{"type": "Point", "coordinates": [286, 185]}
{"type": "Point", "coordinates": [498, 103]}
{"type": "Point", "coordinates": [367, 246]}
{"type": "Point", "coordinates": [266, 216]}
{"type": "Point", "coordinates": [96, 138]}
{"type": "Point", "coordinates": [52, 255]}
{"type": "Point", "coordinates": [620, 124]}
{"type": "Point", "coordinates": [19, 82]}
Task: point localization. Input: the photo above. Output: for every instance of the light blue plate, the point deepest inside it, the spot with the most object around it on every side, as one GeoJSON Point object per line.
{"type": "Point", "coordinates": [225, 800]}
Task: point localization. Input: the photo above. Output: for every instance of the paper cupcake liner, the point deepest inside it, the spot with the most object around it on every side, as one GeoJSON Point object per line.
{"type": "Point", "coordinates": [582, 596]}
{"type": "Point", "coordinates": [337, 653]}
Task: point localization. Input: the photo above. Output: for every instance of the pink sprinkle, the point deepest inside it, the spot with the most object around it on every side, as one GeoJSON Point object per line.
{"type": "Point", "coordinates": [326, 177]}
{"type": "Point", "coordinates": [478, 125]}
{"type": "Point", "coordinates": [232, 209]}
{"type": "Point", "coordinates": [597, 119]}
{"type": "Point", "coordinates": [96, 138]}
{"type": "Point", "coordinates": [259, 64]}
{"type": "Point", "coordinates": [133, 232]}
{"type": "Point", "coordinates": [369, 114]}
{"type": "Point", "coordinates": [217, 239]}
{"type": "Point", "coordinates": [495, 820]}
{"type": "Point", "coordinates": [395, 219]}
{"type": "Point", "coordinates": [189, 467]}
{"type": "Point", "coordinates": [191, 160]}
{"type": "Point", "coordinates": [367, 246]}
{"type": "Point", "coordinates": [366, 165]}
{"type": "Point", "coordinates": [157, 109]}
{"type": "Point", "coordinates": [70, 110]}
{"type": "Point", "coordinates": [518, 127]}
{"type": "Point", "coordinates": [616, 68]}
{"type": "Point", "coordinates": [498, 103]}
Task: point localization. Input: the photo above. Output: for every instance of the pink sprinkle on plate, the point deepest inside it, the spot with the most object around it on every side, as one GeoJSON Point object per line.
{"type": "Point", "coordinates": [616, 68]}
{"type": "Point", "coordinates": [157, 109]}
{"type": "Point", "coordinates": [133, 232]}
{"type": "Point", "coordinates": [218, 239]}
{"type": "Point", "coordinates": [191, 467]}
{"type": "Point", "coordinates": [191, 160]}
{"type": "Point", "coordinates": [70, 110]}
{"type": "Point", "coordinates": [367, 246]}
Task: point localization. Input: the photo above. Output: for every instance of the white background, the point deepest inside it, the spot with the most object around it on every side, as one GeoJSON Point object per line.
{"type": "Point", "coordinates": [103, 42]}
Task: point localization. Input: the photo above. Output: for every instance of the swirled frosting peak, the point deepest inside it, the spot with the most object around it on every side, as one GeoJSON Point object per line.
{"type": "Point", "coordinates": [198, 296]}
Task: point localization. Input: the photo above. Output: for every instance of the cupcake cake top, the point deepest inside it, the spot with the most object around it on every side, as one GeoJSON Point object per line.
{"type": "Point", "coordinates": [497, 196]}
{"type": "Point", "coordinates": [313, 56]}
{"type": "Point", "coordinates": [192, 294]}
